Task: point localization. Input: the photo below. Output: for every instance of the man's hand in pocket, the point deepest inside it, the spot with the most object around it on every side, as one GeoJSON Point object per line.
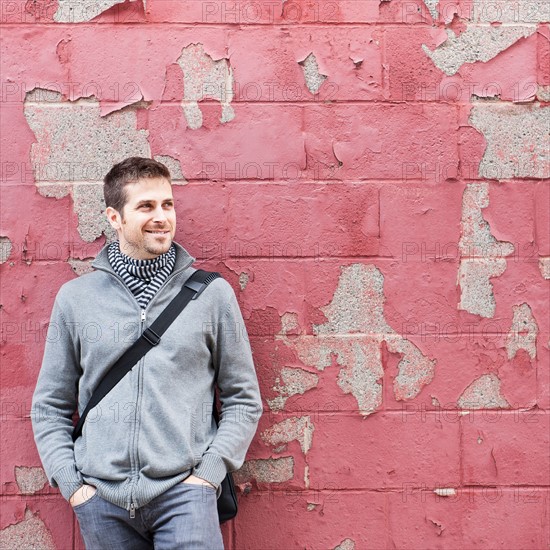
{"type": "Point", "coordinates": [82, 494]}
{"type": "Point", "coordinates": [197, 481]}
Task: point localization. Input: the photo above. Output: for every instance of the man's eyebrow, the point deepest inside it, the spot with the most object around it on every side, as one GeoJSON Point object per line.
{"type": "Point", "coordinates": [145, 201]}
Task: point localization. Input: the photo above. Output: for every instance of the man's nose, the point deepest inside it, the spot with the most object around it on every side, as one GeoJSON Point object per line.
{"type": "Point", "coordinates": [159, 215]}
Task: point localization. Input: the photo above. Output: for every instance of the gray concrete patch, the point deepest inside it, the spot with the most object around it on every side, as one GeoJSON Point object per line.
{"type": "Point", "coordinates": [205, 78]}
{"type": "Point", "coordinates": [89, 206]}
{"type": "Point", "coordinates": [518, 140]}
{"type": "Point", "coordinates": [29, 534]}
{"type": "Point", "coordinates": [476, 289]}
{"type": "Point", "coordinates": [292, 429]}
{"type": "Point", "coordinates": [78, 11]}
{"type": "Point", "coordinates": [293, 381]}
{"type": "Point", "coordinates": [314, 79]}
{"type": "Point", "coordinates": [523, 332]}
{"type": "Point", "coordinates": [483, 393]}
{"type": "Point", "coordinates": [174, 166]}
{"type": "Point", "coordinates": [30, 479]}
{"type": "Point", "coordinates": [476, 43]}
{"type": "Point", "coordinates": [270, 470]}
{"type": "Point", "coordinates": [5, 249]}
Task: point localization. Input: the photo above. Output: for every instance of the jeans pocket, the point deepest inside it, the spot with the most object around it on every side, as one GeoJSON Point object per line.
{"type": "Point", "coordinates": [82, 504]}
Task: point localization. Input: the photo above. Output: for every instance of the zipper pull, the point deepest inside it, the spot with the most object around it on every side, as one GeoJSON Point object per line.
{"type": "Point", "coordinates": [143, 316]}
{"type": "Point", "coordinates": [132, 510]}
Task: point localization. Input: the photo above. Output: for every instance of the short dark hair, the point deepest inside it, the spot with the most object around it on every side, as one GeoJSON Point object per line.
{"type": "Point", "coordinates": [129, 171]}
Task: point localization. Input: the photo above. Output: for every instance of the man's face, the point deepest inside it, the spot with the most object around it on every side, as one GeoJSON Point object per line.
{"type": "Point", "coordinates": [147, 223]}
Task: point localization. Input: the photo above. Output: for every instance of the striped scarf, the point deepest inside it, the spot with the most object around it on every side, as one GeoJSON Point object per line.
{"type": "Point", "coordinates": [143, 277]}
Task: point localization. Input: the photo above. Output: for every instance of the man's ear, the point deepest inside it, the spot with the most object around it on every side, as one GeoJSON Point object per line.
{"type": "Point", "coordinates": [114, 218]}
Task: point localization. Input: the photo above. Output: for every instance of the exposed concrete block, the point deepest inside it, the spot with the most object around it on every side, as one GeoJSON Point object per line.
{"type": "Point", "coordinates": [543, 93]}
{"type": "Point", "coordinates": [30, 479]}
{"type": "Point", "coordinates": [78, 11]}
{"type": "Point", "coordinates": [30, 534]}
{"type": "Point", "coordinates": [5, 249]}
{"type": "Point", "coordinates": [483, 393]}
{"type": "Point", "coordinates": [544, 265]}
{"type": "Point", "coordinates": [205, 78]}
{"type": "Point", "coordinates": [53, 190]}
{"type": "Point", "coordinates": [270, 470]}
{"type": "Point", "coordinates": [294, 381]}
{"type": "Point", "coordinates": [314, 79]}
{"type": "Point", "coordinates": [476, 239]}
{"type": "Point", "coordinates": [75, 143]}
{"type": "Point", "coordinates": [518, 140]}
{"type": "Point", "coordinates": [432, 8]}
{"type": "Point", "coordinates": [346, 544]}
{"type": "Point", "coordinates": [476, 43]}
{"type": "Point", "coordinates": [297, 428]}
{"type": "Point", "coordinates": [174, 166]}
{"type": "Point", "coordinates": [243, 280]}
{"type": "Point", "coordinates": [482, 256]}
{"type": "Point", "coordinates": [415, 370]}
{"type": "Point", "coordinates": [523, 332]}
{"type": "Point", "coordinates": [476, 289]}
{"type": "Point", "coordinates": [81, 267]}
{"type": "Point", "coordinates": [505, 11]}
{"type": "Point", "coordinates": [89, 205]}
{"type": "Point", "coordinates": [357, 304]}
{"type": "Point", "coordinates": [354, 332]}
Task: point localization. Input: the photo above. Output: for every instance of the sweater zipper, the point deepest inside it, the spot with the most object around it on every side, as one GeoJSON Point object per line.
{"type": "Point", "coordinates": [132, 504]}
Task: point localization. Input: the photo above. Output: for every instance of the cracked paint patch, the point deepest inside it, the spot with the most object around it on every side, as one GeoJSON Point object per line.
{"type": "Point", "coordinates": [29, 533]}
{"type": "Point", "coordinates": [270, 470]}
{"type": "Point", "coordinates": [78, 11]}
{"type": "Point", "coordinates": [476, 43]}
{"type": "Point", "coordinates": [293, 381]}
{"type": "Point", "coordinates": [5, 249]}
{"type": "Point", "coordinates": [483, 393]}
{"type": "Point", "coordinates": [518, 140]}
{"type": "Point", "coordinates": [314, 79]}
{"type": "Point", "coordinates": [354, 332]}
{"type": "Point", "coordinates": [544, 266]}
{"type": "Point", "coordinates": [482, 256]}
{"type": "Point", "coordinates": [298, 428]}
{"type": "Point", "coordinates": [203, 77]}
{"type": "Point", "coordinates": [346, 544]}
{"type": "Point", "coordinates": [523, 333]}
{"type": "Point", "coordinates": [174, 167]}
{"type": "Point", "coordinates": [30, 479]}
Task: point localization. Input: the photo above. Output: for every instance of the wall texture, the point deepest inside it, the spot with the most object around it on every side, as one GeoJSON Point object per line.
{"type": "Point", "coordinates": [373, 179]}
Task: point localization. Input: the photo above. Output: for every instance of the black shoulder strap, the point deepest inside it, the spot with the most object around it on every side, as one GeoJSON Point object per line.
{"type": "Point", "coordinates": [150, 337]}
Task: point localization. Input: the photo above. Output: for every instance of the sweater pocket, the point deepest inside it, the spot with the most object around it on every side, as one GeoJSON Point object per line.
{"type": "Point", "coordinates": [102, 450]}
{"type": "Point", "coordinates": [166, 442]}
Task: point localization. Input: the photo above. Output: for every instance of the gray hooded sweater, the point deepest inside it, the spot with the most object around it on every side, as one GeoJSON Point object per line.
{"type": "Point", "coordinates": [155, 427]}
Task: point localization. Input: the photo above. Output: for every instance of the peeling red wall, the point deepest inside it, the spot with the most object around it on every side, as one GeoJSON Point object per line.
{"type": "Point", "coordinates": [373, 178]}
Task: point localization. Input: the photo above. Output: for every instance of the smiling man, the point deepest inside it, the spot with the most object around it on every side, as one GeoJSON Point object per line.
{"type": "Point", "coordinates": [147, 469]}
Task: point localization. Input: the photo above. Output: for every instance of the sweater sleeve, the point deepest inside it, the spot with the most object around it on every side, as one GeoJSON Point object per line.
{"type": "Point", "coordinates": [53, 404]}
{"type": "Point", "coordinates": [239, 394]}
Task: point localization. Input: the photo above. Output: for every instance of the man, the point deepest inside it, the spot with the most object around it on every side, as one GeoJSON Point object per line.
{"type": "Point", "coordinates": [146, 471]}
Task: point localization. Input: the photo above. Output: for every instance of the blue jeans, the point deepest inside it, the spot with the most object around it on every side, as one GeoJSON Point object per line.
{"type": "Point", "coordinates": [183, 518]}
